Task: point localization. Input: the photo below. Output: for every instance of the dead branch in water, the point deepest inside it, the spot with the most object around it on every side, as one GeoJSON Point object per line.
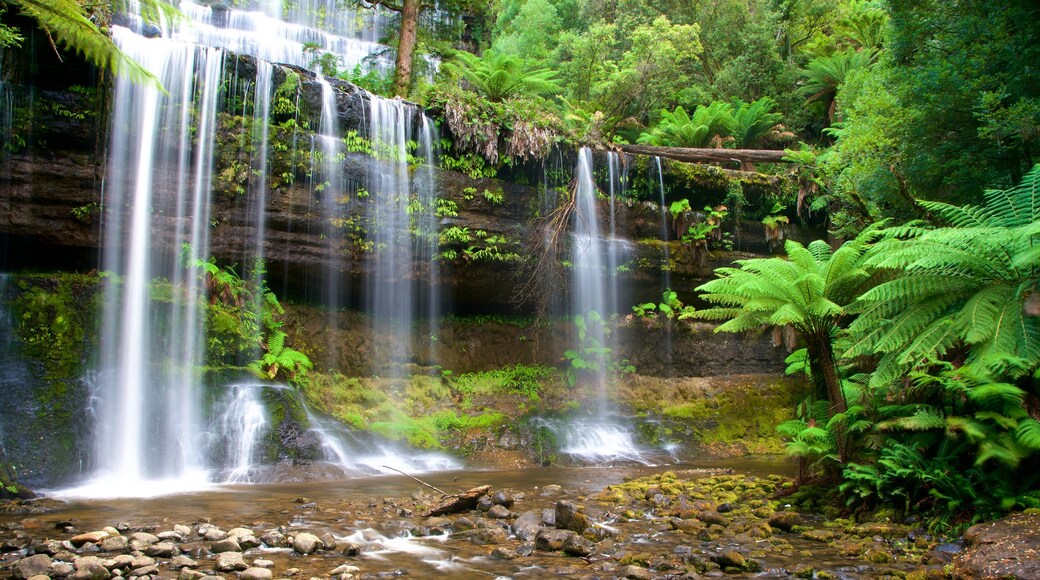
{"type": "Point", "coordinates": [416, 479]}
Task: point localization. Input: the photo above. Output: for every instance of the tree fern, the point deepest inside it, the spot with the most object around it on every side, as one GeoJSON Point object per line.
{"type": "Point", "coordinates": [750, 123]}
{"type": "Point", "coordinates": [502, 76]}
{"type": "Point", "coordinates": [960, 285]}
{"type": "Point", "coordinates": [67, 23]}
{"type": "Point", "coordinates": [679, 129]}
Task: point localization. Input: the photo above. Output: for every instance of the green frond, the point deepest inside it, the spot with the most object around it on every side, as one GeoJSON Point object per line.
{"type": "Point", "coordinates": [788, 314]}
{"type": "Point", "coordinates": [67, 23]}
{"type": "Point", "coordinates": [985, 314]}
{"type": "Point", "coordinates": [1028, 434]}
{"type": "Point", "coordinates": [996, 394]}
{"type": "Point", "coordinates": [276, 342]}
{"type": "Point", "coordinates": [922, 420]}
{"type": "Point", "coordinates": [800, 256]}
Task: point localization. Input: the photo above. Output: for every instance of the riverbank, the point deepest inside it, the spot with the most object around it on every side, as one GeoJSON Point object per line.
{"type": "Point", "coordinates": [626, 522]}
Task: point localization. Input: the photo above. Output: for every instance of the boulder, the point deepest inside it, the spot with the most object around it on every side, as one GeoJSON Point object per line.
{"type": "Point", "coordinates": [230, 562]}
{"type": "Point", "coordinates": [526, 526]}
{"type": "Point", "coordinates": [225, 545]}
{"type": "Point", "coordinates": [31, 566]}
{"type": "Point", "coordinates": [549, 540]}
{"type": "Point", "coordinates": [306, 543]}
{"type": "Point", "coordinates": [1007, 548]}
{"type": "Point", "coordinates": [570, 516]}
{"type": "Point", "coordinates": [256, 574]}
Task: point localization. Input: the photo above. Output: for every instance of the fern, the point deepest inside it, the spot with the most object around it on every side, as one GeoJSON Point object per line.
{"type": "Point", "coordinates": [67, 23]}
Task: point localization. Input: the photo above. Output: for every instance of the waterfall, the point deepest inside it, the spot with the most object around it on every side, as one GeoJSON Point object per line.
{"type": "Point", "coordinates": [156, 198]}
{"type": "Point", "coordinates": [390, 298]}
{"type": "Point", "coordinates": [594, 298]}
{"type": "Point", "coordinates": [241, 423]}
{"type": "Point", "coordinates": [666, 271]}
{"type": "Point", "coordinates": [330, 191]}
{"type": "Point", "coordinates": [427, 235]}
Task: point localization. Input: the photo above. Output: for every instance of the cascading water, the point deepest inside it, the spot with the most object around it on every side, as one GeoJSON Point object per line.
{"type": "Point", "coordinates": [147, 396]}
{"type": "Point", "coordinates": [599, 437]}
{"type": "Point", "coordinates": [390, 299]}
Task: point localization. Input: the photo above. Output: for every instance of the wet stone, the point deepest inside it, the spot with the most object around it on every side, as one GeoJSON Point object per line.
{"type": "Point", "coordinates": [503, 498]}
{"type": "Point", "coordinates": [144, 538]}
{"type": "Point", "coordinates": [62, 569]}
{"type": "Point", "coordinates": [115, 544]}
{"type": "Point", "coordinates": [183, 530]}
{"type": "Point", "coordinates": [527, 525]}
{"type": "Point", "coordinates": [188, 574]}
{"type": "Point", "coordinates": [501, 553]}
{"type": "Point", "coordinates": [577, 546]}
{"type": "Point", "coordinates": [256, 574]}
{"type": "Point", "coordinates": [31, 566]}
{"type": "Point", "coordinates": [306, 543]}
{"type": "Point", "coordinates": [273, 538]}
{"type": "Point", "coordinates": [214, 534]}
{"type": "Point", "coordinates": [162, 550]}
{"type": "Point", "coordinates": [498, 511]}
{"type": "Point", "coordinates": [462, 524]}
{"type": "Point", "coordinates": [93, 571]}
{"type": "Point", "coordinates": [230, 562]}
{"type": "Point", "coordinates": [489, 536]}
{"type": "Point", "coordinates": [225, 545]}
{"type": "Point", "coordinates": [179, 562]}
{"type": "Point", "coordinates": [549, 540]}
{"type": "Point", "coordinates": [92, 537]}
{"type": "Point", "coordinates": [569, 516]}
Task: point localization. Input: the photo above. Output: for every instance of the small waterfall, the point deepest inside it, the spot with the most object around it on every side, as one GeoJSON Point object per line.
{"type": "Point", "coordinates": [427, 236]}
{"type": "Point", "coordinates": [390, 286]}
{"type": "Point", "coordinates": [593, 296]}
{"type": "Point", "coordinates": [360, 453]}
{"type": "Point", "coordinates": [241, 423]}
{"type": "Point", "coordinates": [666, 271]}
{"type": "Point", "coordinates": [330, 192]}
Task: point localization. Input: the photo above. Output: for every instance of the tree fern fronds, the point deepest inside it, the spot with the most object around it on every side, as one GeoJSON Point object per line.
{"type": "Point", "coordinates": [67, 23]}
{"type": "Point", "coordinates": [996, 395]}
{"type": "Point", "coordinates": [276, 342]}
{"type": "Point", "coordinates": [1028, 434]}
{"type": "Point", "coordinates": [921, 420]}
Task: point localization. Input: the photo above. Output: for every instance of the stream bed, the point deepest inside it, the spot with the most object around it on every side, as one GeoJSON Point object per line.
{"type": "Point", "coordinates": [635, 521]}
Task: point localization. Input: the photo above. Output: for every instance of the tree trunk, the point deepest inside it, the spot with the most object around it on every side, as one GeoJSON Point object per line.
{"type": "Point", "coordinates": [698, 155]}
{"type": "Point", "coordinates": [406, 47]}
{"type": "Point", "coordinates": [825, 370]}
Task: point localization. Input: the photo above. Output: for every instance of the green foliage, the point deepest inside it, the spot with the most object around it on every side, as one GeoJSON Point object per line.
{"type": "Point", "coordinates": [526, 380]}
{"type": "Point", "coordinates": [751, 124]}
{"type": "Point", "coordinates": [502, 76]}
{"type": "Point", "coordinates": [592, 359]}
{"type": "Point", "coordinates": [677, 129]}
{"type": "Point", "coordinates": [963, 286]}
{"type": "Point", "coordinates": [824, 74]}
{"type": "Point", "coordinates": [669, 308]}
{"type": "Point", "coordinates": [68, 24]}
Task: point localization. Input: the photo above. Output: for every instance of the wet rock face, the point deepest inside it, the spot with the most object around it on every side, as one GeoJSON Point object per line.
{"type": "Point", "coordinates": [1007, 548]}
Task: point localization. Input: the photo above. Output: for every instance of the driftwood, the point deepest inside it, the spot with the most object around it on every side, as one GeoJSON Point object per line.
{"type": "Point", "coordinates": [459, 502]}
{"type": "Point", "coordinates": [691, 155]}
{"type": "Point", "coordinates": [443, 493]}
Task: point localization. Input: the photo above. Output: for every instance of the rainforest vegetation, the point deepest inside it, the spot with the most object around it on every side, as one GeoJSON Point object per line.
{"type": "Point", "coordinates": [911, 128]}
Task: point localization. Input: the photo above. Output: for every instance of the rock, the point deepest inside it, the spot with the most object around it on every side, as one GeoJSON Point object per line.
{"type": "Point", "coordinates": [785, 520]}
{"type": "Point", "coordinates": [144, 538]}
{"type": "Point", "coordinates": [239, 533]}
{"type": "Point", "coordinates": [230, 562]}
{"type": "Point", "coordinates": [570, 516]}
{"type": "Point", "coordinates": [145, 571]}
{"type": "Point", "coordinates": [162, 550]}
{"type": "Point", "coordinates": [635, 572]}
{"type": "Point", "coordinates": [462, 524]}
{"type": "Point", "coordinates": [115, 544]}
{"type": "Point", "coordinates": [92, 537]}
{"type": "Point", "coordinates": [503, 498]}
{"type": "Point", "coordinates": [31, 566]}
{"type": "Point", "coordinates": [350, 549]}
{"type": "Point", "coordinates": [188, 574]}
{"type": "Point", "coordinates": [273, 539]}
{"type": "Point", "coordinates": [577, 546]}
{"type": "Point", "coordinates": [142, 561]}
{"type": "Point", "coordinates": [819, 535]}
{"type": "Point", "coordinates": [183, 530]}
{"type": "Point", "coordinates": [498, 511]}
{"type": "Point", "coordinates": [306, 543]}
{"type": "Point", "coordinates": [49, 547]}
{"type": "Point", "coordinates": [214, 534]}
{"type": "Point", "coordinates": [527, 525]}
{"type": "Point", "coordinates": [1005, 548]}
{"type": "Point", "coordinates": [170, 536]}
{"type": "Point", "coordinates": [725, 508]}
{"type": "Point", "coordinates": [62, 569]}
{"type": "Point", "coordinates": [344, 569]}
{"type": "Point", "coordinates": [328, 540]}
{"type": "Point", "coordinates": [256, 574]}
{"type": "Point", "coordinates": [179, 562]}
{"type": "Point", "coordinates": [731, 559]}
{"type": "Point", "coordinates": [225, 545]}
{"type": "Point", "coordinates": [549, 540]}
{"type": "Point", "coordinates": [501, 553]}
{"type": "Point", "coordinates": [93, 571]}
{"type": "Point", "coordinates": [712, 517]}
{"type": "Point", "coordinates": [489, 536]}
{"type": "Point", "coordinates": [551, 490]}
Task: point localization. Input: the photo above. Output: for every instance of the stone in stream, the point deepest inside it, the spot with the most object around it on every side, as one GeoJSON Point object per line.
{"type": "Point", "coordinates": [273, 539]}
{"type": "Point", "coordinates": [527, 525]}
{"type": "Point", "coordinates": [784, 520]}
{"type": "Point", "coordinates": [577, 546]}
{"type": "Point", "coordinates": [489, 536]}
{"type": "Point", "coordinates": [230, 562]}
{"type": "Point", "coordinates": [256, 574]}
{"type": "Point", "coordinates": [636, 573]}
{"type": "Point", "coordinates": [62, 569]}
{"type": "Point", "coordinates": [144, 538]}
{"type": "Point", "coordinates": [549, 540]}
{"type": "Point", "coordinates": [92, 537]}
{"type": "Point", "coordinates": [503, 498]}
{"type": "Point", "coordinates": [93, 571]}
{"type": "Point", "coordinates": [189, 574]}
{"type": "Point", "coordinates": [182, 561]}
{"type": "Point", "coordinates": [570, 516]}
{"type": "Point", "coordinates": [225, 545]}
{"type": "Point", "coordinates": [31, 566]}
{"type": "Point", "coordinates": [214, 534]}
{"type": "Point", "coordinates": [306, 543]}
{"type": "Point", "coordinates": [183, 530]}
{"type": "Point", "coordinates": [162, 550]}
{"type": "Point", "coordinates": [115, 544]}
{"type": "Point", "coordinates": [462, 524]}
{"type": "Point", "coordinates": [498, 512]}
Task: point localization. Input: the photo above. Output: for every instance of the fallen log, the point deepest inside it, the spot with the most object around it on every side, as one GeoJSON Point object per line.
{"type": "Point", "coordinates": [459, 502]}
{"type": "Point", "coordinates": [693, 155]}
